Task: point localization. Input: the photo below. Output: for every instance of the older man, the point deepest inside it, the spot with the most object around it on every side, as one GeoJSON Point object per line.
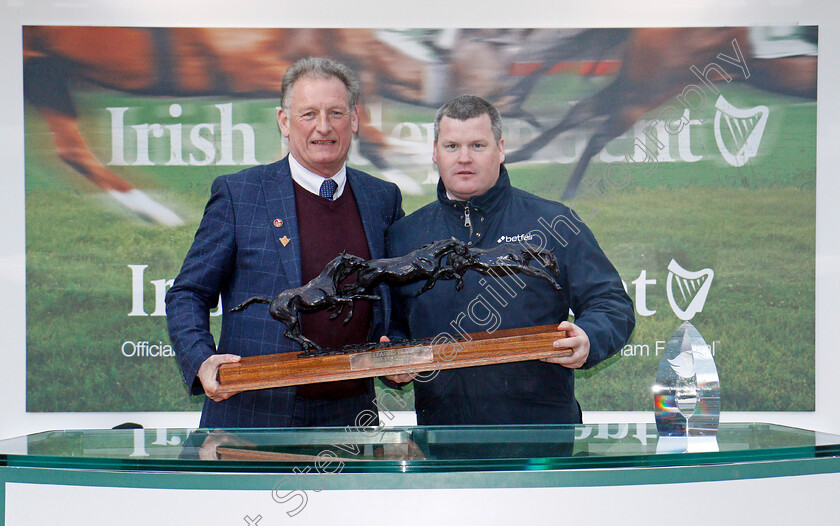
{"type": "Point", "coordinates": [270, 228]}
{"type": "Point", "coordinates": [477, 205]}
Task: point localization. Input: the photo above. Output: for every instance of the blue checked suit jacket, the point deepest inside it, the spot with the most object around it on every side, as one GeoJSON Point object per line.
{"type": "Point", "coordinates": [238, 253]}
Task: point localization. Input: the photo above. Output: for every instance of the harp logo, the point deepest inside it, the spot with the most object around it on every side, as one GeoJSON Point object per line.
{"type": "Point", "coordinates": [738, 132]}
{"type": "Point", "coordinates": [687, 290]}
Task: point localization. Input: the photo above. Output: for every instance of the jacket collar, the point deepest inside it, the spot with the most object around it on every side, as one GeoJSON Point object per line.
{"type": "Point", "coordinates": [488, 202]}
{"type": "Point", "coordinates": [369, 206]}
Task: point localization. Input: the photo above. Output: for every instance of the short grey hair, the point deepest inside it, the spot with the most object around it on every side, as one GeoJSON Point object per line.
{"type": "Point", "coordinates": [465, 107]}
{"type": "Point", "coordinates": [321, 68]}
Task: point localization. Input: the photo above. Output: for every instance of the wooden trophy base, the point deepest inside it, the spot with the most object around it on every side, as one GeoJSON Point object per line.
{"type": "Point", "coordinates": [287, 369]}
{"type": "Point", "coordinates": [382, 452]}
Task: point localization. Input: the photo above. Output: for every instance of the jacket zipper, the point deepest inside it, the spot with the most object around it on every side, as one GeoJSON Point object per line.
{"type": "Point", "coordinates": [467, 221]}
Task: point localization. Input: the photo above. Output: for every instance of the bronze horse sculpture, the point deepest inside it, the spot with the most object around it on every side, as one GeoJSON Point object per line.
{"type": "Point", "coordinates": [430, 262]}
{"type": "Point", "coordinates": [445, 259]}
{"type": "Point", "coordinates": [324, 292]}
{"type": "Point", "coordinates": [503, 260]}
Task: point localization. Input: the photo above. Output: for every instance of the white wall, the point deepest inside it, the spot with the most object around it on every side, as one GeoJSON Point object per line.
{"type": "Point", "coordinates": [421, 13]}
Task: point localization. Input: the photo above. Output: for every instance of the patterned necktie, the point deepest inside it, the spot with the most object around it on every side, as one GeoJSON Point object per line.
{"type": "Point", "coordinates": [328, 188]}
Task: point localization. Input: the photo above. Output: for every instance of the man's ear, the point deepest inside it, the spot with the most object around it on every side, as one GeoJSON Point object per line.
{"type": "Point", "coordinates": [354, 120]}
{"type": "Point", "coordinates": [434, 153]}
{"type": "Point", "coordinates": [283, 122]}
{"type": "Point", "coordinates": [501, 150]}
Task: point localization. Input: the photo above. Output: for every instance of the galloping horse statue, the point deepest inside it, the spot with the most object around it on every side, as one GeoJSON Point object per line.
{"type": "Point", "coordinates": [324, 292]}
{"type": "Point", "coordinates": [430, 262]}
{"type": "Point", "coordinates": [445, 259]}
{"type": "Point", "coordinates": [506, 259]}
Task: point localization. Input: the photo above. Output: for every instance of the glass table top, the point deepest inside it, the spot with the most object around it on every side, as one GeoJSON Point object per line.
{"type": "Point", "coordinates": [406, 449]}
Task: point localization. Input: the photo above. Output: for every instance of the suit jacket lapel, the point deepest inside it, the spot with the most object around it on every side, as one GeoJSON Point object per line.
{"type": "Point", "coordinates": [280, 202]}
{"type": "Point", "coordinates": [375, 239]}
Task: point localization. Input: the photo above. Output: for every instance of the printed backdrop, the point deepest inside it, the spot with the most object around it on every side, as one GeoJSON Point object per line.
{"type": "Point", "coordinates": [701, 185]}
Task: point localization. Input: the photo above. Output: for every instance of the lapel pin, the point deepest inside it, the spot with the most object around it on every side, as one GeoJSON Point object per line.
{"type": "Point", "coordinates": [285, 240]}
{"type": "Point", "coordinates": [278, 223]}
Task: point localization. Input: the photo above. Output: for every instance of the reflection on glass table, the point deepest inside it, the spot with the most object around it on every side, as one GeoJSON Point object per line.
{"type": "Point", "coordinates": [415, 449]}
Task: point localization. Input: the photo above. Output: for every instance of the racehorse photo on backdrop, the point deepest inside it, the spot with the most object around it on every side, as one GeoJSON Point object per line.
{"type": "Point", "coordinates": [690, 152]}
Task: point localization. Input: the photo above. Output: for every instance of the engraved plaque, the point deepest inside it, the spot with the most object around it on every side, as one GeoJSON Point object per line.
{"type": "Point", "coordinates": [404, 356]}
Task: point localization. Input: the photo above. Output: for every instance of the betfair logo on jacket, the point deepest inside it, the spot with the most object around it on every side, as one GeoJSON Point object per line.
{"type": "Point", "coordinates": [515, 238]}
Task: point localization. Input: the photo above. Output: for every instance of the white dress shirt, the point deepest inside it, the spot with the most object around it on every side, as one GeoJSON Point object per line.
{"type": "Point", "coordinates": [311, 182]}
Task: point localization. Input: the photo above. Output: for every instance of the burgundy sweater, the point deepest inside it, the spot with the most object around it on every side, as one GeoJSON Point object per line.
{"type": "Point", "coordinates": [326, 229]}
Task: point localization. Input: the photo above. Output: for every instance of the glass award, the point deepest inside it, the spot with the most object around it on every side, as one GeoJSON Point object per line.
{"type": "Point", "coordinates": [687, 394]}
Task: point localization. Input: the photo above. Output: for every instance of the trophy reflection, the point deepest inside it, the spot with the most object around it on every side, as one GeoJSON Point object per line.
{"type": "Point", "coordinates": [687, 394]}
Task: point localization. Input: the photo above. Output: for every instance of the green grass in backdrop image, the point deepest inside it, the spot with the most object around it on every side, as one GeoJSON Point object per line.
{"type": "Point", "coordinates": [753, 225]}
